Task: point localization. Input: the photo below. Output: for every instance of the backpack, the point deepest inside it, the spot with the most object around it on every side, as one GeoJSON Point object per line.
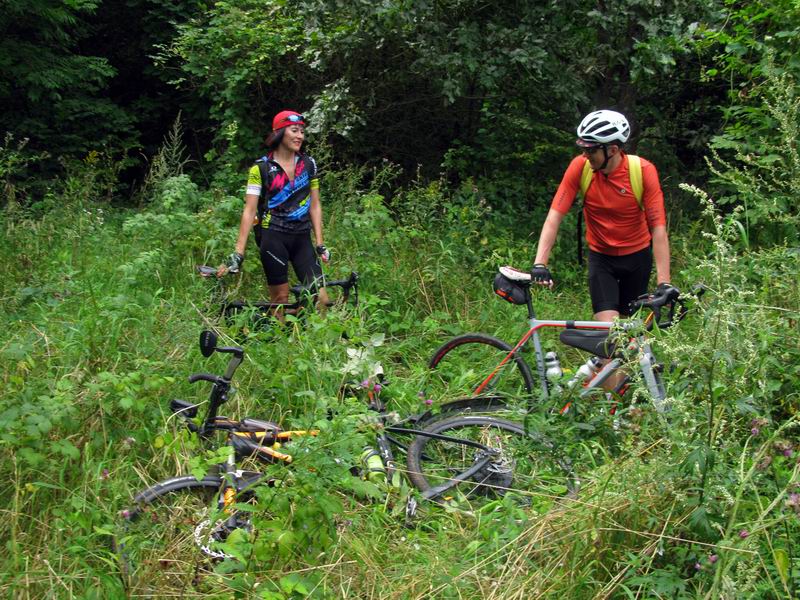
{"type": "Point", "coordinates": [268, 171]}
{"type": "Point", "coordinates": [637, 185]}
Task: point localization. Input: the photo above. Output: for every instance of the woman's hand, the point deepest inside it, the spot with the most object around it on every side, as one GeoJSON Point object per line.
{"type": "Point", "coordinates": [233, 264]}
{"type": "Point", "coordinates": [323, 253]}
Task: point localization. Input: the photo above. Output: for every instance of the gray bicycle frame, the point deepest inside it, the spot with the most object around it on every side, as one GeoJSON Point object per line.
{"type": "Point", "coordinates": [640, 344]}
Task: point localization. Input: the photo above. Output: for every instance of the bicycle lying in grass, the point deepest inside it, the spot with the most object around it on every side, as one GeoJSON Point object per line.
{"type": "Point", "coordinates": [305, 295]}
{"type": "Point", "coordinates": [178, 525]}
{"type": "Point", "coordinates": [479, 365]}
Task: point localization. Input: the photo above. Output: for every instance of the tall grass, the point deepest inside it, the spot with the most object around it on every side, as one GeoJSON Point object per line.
{"type": "Point", "coordinates": [101, 311]}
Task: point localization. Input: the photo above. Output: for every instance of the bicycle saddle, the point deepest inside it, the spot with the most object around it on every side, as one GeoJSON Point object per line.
{"type": "Point", "coordinates": [595, 342]}
{"type": "Point", "coordinates": [255, 437]}
{"type": "Point", "coordinates": [515, 274]}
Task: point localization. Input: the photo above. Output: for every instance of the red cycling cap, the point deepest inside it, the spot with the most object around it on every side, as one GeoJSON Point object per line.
{"type": "Point", "coordinates": [286, 118]}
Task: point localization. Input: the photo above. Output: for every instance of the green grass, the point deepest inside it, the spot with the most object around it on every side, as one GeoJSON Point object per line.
{"type": "Point", "coordinates": [101, 312]}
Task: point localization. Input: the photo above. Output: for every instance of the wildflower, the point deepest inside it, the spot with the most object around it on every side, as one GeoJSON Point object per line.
{"type": "Point", "coordinates": [377, 387]}
{"type": "Point", "coordinates": [125, 514]}
{"type": "Point", "coordinates": [713, 558]}
{"type": "Point", "coordinates": [428, 401]}
{"type": "Point", "coordinates": [365, 383]}
{"type": "Point", "coordinates": [744, 533]}
{"type": "Point", "coordinates": [698, 566]}
{"type": "Point", "coordinates": [756, 425]}
{"type": "Point", "coordinates": [104, 474]}
{"type": "Point", "coordinates": [784, 447]}
{"type": "Point", "coordinates": [793, 502]}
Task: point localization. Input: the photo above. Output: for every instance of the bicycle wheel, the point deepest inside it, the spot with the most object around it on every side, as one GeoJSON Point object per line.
{"type": "Point", "coordinates": [171, 535]}
{"type": "Point", "coordinates": [461, 365]}
{"type": "Point", "coordinates": [527, 463]}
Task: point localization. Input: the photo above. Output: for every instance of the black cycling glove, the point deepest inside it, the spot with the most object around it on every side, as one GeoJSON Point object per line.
{"type": "Point", "coordinates": [234, 263]}
{"type": "Point", "coordinates": [323, 253]}
{"type": "Point", "coordinates": [667, 289]}
{"type": "Point", "coordinates": [541, 274]}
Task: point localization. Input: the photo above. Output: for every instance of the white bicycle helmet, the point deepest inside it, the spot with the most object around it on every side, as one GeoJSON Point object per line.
{"type": "Point", "coordinates": [603, 127]}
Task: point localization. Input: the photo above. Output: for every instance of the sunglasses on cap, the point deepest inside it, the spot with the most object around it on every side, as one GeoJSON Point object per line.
{"type": "Point", "coordinates": [294, 118]}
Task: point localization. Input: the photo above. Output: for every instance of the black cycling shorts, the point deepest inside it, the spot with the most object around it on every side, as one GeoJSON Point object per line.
{"type": "Point", "coordinates": [278, 249]}
{"type": "Point", "coordinates": [615, 281]}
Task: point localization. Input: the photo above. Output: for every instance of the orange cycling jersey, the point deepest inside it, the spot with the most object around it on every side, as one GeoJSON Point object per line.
{"type": "Point", "coordinates": [615, 225]}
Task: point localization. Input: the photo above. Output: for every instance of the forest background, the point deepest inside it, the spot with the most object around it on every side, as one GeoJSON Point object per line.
{"type": "Point", "coordinates": [442, 128]}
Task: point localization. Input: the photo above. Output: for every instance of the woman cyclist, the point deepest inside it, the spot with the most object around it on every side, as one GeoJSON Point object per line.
{"type": "Point", "coordinates": [282, 202]}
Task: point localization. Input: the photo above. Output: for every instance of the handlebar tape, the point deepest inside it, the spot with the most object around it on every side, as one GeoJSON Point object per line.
{"type": "Point", "coordinates": [205, 377]}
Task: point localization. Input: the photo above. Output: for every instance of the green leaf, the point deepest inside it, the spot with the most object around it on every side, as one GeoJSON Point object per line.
{"type": "Point", "coordinates": [294, 583]}
{"type": "Point", "coordinates": [67, 448]}
{"type": "Point", "coordinates": [781, 558]}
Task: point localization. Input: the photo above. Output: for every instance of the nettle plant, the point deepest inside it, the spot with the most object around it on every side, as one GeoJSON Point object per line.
{"type": "Point", "coordinates": [739, 459]}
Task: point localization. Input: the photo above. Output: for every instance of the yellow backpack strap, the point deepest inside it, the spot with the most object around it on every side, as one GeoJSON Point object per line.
{"type": "Point", "coordinates": [586, 177]}
{"type": "Point", "coordinates": [635, 173]}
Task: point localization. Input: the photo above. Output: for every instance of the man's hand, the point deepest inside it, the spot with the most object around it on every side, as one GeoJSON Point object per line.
{"type": "Point", "coordinates": [540, 275]}
{"type": "Point", "coordinates": [323, 253]}
{"type": "Point", "coordinates": [232, 265]}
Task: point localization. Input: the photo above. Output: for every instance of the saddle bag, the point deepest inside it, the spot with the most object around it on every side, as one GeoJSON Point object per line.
{"type": "Point", "coordinates": [508, 290]}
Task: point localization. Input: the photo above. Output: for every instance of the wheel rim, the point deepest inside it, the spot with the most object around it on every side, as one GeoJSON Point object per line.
{"type": "Point", "coordinates": [462, 368]}
{"type": "Point", "coordinates": [169, 543]}
{"type": "Point", "coordinates": [536, 476]}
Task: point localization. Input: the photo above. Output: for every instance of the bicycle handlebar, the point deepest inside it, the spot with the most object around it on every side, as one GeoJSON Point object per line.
{"type": "Point", "coordinates": [215, 379]}
{"type": "Point", "coordinates": [346, 285]}
{"type": "Point", "coordinates": [351, 283]}
{"type": "Point", "coordinates": [672, 300]}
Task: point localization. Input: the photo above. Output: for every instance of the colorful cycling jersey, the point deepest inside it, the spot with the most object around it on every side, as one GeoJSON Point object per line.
{"type": "Point", "coordinates": [287, 202]}
{"type": "Point", "coordinates": [615, 225]}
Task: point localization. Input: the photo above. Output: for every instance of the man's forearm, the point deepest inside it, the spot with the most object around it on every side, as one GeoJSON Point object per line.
{"type": "Point", "coordinates": [547, 238]}
{"type": "Point", "coordinates": [661, 254]}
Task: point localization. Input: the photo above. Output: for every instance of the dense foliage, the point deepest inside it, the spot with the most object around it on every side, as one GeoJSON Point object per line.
{"type": "Point", "coordinates": [441, 127]}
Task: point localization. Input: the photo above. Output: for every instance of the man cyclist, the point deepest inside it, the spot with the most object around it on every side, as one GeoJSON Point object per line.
{"type": "Point", "coordinates": [619, 231]}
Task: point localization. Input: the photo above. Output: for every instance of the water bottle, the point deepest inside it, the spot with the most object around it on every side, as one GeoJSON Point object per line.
{"type": "Point", "coordinates": [586, 371]}
{"type": "Point", "coordinates": [553, 371]}
{"type": "Point", "coordinates": [373, 467]}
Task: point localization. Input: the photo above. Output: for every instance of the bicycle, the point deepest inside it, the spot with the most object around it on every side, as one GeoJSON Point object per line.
{"type": "Point", "coordinates": [183, 522]}
{"type": "Point", "coordinates": [479, 365]}
{"type": "Point", "coordinates": [304, 294]}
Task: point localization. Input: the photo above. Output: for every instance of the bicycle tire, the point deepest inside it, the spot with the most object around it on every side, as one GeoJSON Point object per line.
{"type": "Point", "coordinates": [538, 471]}
{"type": "Point", "coordinates": [461, 364]}
{"type": "Point", "coordinates": [156, 543]}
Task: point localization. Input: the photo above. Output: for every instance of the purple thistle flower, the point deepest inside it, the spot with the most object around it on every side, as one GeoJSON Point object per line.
{"type": "Point", "coordinates": [744, 533]}
{"type": "Point", "coordinates": [377, 388]}
{"type": "Point", "coordinates": [754, 431]}
{"type": "Point", "coordinates": [365, 383]}
{"type": "Point", "coordinates": [698, 566]}
{"type": "Point", "coordinates": [428, 401]}
{"type": "Point", "coordinates": [713, 558]}
{"type": "Point", "coordinates": [104, 474]}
